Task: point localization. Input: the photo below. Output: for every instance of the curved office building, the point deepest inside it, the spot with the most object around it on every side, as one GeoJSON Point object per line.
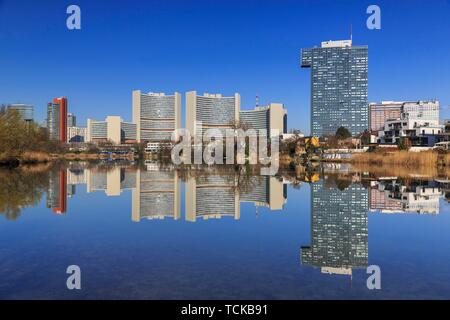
{"type": "Point", "coordinates": [211, 111]}
{"type": "Point", "coordinates": [25, 110]}
{"type": "Point", "coordinates": [156, 115]}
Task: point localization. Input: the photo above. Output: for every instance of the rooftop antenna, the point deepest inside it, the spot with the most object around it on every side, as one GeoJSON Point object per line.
{"type": "Point", "coordinates": [351, 32]}
{"type": "Point", "coordinates": [257, 101]}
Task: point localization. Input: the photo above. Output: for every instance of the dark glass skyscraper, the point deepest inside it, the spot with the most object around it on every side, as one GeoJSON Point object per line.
{"type": "Point", "coordinates": [339, 81]}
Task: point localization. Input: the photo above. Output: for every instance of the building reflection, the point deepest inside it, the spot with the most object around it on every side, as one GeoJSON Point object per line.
{"type": "Point", "coordinates": [57, 191]}
{"type": "Point", "coordinates": [216, 196]}
{"type": "Point", "coordinates": [339, 229]}
{"type": "Point", "coordinates": [156, 196]}
{"type": "Point", "coordinates": [393, 196]}
{"type": "Point", "coordinates": [156, 191]}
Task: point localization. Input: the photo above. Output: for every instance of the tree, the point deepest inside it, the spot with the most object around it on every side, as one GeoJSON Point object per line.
{"type": "Point", "coordinates": [342, 133]}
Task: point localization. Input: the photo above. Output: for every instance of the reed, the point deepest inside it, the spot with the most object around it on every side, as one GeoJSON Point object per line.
{"type": "Point", "coordinates": [403, 159]}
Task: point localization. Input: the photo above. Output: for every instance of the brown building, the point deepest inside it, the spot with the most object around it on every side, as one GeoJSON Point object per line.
{"type": "Point", "coordinates": [380, 112]}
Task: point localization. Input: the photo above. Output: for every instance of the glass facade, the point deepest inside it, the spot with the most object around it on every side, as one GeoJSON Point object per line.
{"type": "Point", "coordinates": [53, 123]}
{"type": "Point", "coordinates": [339, 84]}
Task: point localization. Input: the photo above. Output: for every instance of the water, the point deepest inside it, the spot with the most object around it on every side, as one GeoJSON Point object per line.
{"type": "Point", "coordinates": [145, 232]}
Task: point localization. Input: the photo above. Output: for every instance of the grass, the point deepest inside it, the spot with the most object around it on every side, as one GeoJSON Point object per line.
{"type": "Point", "coordinates": [404, 159]}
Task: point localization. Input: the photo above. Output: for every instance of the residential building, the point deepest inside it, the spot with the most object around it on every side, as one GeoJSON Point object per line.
{"type": "Point", "coordinates": [339, 87]}
{"type": "Point", "coordinates": [113, 129]}
{"type": "Point", "coordinates": [156, 116]}
{"type": "Point", "coordinates": [57, 119]}
{"type": "Point", "coordinates": [271, 117]}
{"type": "Point", "coordinates": [415, 131]}
{"type": "Point", "coordinates": [211, 111]}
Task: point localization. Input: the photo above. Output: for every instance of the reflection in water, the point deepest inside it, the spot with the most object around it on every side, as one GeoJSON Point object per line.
{"type": "Point", "coordinates": [156, 191]}
{"type": "Point", "coordinates": [339, 229]}
{"type": "Point", "coordinates": [392, 196]}
{"type": "Point", "coordinates": [21, 188]}
{"type": "Point", "coordinates": [341, 202]}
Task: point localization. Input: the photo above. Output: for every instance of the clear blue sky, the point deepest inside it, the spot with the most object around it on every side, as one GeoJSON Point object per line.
{"type": "Point", "coordinates": [226, 46]}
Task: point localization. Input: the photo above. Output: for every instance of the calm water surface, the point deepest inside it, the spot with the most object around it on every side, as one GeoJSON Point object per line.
{"type": "Point", "coordinates": [146, 232]}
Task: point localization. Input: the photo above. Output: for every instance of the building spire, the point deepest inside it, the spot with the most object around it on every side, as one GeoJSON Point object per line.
{"type": "Point", "coordinates": [351, 32]}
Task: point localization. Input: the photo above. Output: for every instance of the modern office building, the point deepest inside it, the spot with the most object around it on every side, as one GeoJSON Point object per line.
{"type": "Point", "coordinates": [76, 134]}
{"type": "Point", "coordinates": [273, 116]}
{"type": "Point", "coordinates": [57, 119]}
{"type": "Point", "coordinates": [339, 87]}
{"type": "Point", "coordinates": [211, 111]}
{"type": "Point", "coordinates": [339, 229]}
{"type": "Point", "coordinates": [156, 116]}
{"type": "Point", "coordinates": [380, 113]}
{"type": "Point", "coordinates": [156, 196]}
{"type": "Point", "coordinates": [71, 120]}
{"type": "Point", "coordinates": [113, 129]}
{"type": "Point", "coordinates": [25, 110]}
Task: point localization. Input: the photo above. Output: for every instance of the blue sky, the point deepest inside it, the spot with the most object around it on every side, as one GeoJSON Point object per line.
{"type": "Point", "coordinates": [250, 47]}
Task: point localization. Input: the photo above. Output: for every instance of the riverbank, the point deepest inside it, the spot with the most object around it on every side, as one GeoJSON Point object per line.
{"type": "Point", "coordinates": [28, 158]}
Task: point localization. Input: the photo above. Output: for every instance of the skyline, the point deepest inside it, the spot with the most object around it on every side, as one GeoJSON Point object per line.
{"type": "Point", "coordinates": [407, 60]}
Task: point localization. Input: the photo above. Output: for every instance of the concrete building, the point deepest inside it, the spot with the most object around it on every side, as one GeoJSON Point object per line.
{"type": "Point", "coordinates": [25, 110]}
{"type": "Point", "coordinates": [211, 111]}
{"type": "Point", "coordinates": [339, 87]}
{"type": "Point", "coordinates": [57, 119]}
{"type": "Point", "coordinates": [156, 115]}
{"type": "Point", "coordinates": [76, 134]}
{"type": "Point", "coordinates": [273, 116]}
{"type": "Point", "coordinates": [113, 129]}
